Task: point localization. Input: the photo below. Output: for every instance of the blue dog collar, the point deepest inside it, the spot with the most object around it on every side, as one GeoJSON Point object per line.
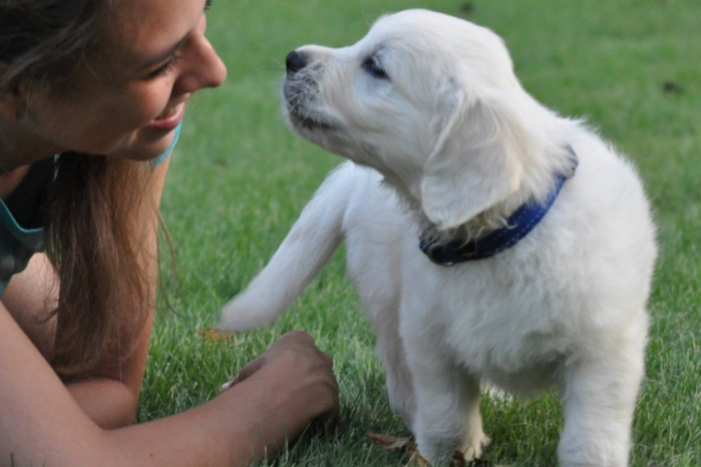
{"type": "Point", "coordinates": [520, 224]}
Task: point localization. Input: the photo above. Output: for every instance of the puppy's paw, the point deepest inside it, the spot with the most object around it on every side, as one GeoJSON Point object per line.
{"type": "Point", "coordinates": [230, 317]}
{"type": "Point", "coordinates": [474, 444]}
{"type": "Point", "coordinates": [247, 311]}
{"type": "Point", "coordinates": [441, 454]}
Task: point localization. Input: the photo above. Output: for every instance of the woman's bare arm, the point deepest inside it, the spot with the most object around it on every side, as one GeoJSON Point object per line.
{"type": "Point", "coordinates": [41, 423]}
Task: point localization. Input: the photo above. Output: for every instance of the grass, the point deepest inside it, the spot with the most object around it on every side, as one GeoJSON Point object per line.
{"type": "Point", "coordinates": [240, 178]}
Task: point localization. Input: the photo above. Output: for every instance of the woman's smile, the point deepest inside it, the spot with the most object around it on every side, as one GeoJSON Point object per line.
{"type": "Point", "coordinates": [170, 118]}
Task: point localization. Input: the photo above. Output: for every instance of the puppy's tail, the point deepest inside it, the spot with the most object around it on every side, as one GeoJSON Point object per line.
{"type": "Point", "coordinates": [304, 252]}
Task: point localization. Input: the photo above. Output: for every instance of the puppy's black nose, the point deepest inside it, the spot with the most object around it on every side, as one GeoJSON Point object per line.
{"type": "Point", "coordinates": [295, 61]}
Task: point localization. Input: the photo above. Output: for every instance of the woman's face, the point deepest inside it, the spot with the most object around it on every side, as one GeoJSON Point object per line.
{"type": "Point", "coordinates": [127, 100]}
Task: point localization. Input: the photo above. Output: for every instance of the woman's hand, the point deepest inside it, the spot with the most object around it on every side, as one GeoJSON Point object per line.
{"type": "Point", "coordinates": [296, 385]}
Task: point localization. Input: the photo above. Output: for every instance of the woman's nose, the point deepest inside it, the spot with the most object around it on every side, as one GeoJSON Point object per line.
{"type": "Point", "coordinates": [205, 68]}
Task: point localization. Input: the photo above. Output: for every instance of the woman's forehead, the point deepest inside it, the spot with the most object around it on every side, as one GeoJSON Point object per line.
{"type": "Point", "coordinates": [140, 30]}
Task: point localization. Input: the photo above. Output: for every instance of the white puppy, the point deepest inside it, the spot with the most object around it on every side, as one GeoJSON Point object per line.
{"type": "Point", "coordinates": [539, 235]}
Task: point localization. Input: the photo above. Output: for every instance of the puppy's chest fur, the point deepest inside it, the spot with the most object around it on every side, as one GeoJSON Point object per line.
{"type": "Point", "coordinates": [493, 324]}
{"type": "Point", "coordinates": [492, 317]}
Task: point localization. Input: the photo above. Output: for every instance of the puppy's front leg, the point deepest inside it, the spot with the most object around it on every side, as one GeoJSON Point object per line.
{"type": "Point", "coordinates": [390, 349]}
{"type": "Point", "coordinates": [599, 397]}
{"type": "Point", "coordinates": [448, 416]}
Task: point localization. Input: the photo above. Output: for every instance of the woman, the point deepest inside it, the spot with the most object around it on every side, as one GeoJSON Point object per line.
{"type": "Point", "coordinates": [92, 95]}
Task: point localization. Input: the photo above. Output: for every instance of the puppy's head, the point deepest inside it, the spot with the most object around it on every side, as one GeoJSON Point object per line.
{"type": "Point", "coordinates": [430, 101]}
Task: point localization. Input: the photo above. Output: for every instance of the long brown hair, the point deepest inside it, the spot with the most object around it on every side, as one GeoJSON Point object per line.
{"type": "Point", "coordinates": [42, 42]}
{"type": "Point", "coordinates": [96, 244]}
{"type": "Point", "coordinates": [92, 235]}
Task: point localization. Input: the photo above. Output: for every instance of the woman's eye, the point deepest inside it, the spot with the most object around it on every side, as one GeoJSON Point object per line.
{"type": "Point", "coordinates": [163, 69]}
{"type": "Point", "coordinates": [373, 66]}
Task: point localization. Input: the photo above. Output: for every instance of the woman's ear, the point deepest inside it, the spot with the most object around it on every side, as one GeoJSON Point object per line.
{"type": "Point", "coordinates": [13, 101]}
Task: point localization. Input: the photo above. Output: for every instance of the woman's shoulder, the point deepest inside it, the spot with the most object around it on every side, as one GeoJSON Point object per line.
{"type": "Point", "coordinates": [21, 220]}
{"type": "Point", "coordinates": [17, 245]}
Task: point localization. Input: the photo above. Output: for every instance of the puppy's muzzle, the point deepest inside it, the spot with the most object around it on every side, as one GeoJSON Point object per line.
{"type": "Point", "coordinates": [301, 92]}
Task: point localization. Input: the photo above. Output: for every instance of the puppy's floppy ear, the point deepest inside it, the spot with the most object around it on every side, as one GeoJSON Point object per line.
{"type": "Point", "coordinates": [474, 164]}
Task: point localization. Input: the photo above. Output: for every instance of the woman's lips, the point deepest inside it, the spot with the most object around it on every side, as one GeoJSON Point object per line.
{"type": "Point", "coordinates": [169, 119]}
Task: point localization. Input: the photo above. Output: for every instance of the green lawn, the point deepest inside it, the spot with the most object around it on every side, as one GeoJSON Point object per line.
{"type": "Point", "coordinates": [239, 179]}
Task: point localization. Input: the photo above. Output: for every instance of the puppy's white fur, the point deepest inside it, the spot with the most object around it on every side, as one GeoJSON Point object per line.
{"type": "Point", "coordinates": [443, 138]}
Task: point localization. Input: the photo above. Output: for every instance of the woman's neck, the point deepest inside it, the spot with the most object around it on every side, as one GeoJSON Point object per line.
{"type": "Point", "coordinates": [11, 179]}
{"type": "Point", "coordinates": [18, 151]}
{"type": "Point", "coordinates": [17, 154]}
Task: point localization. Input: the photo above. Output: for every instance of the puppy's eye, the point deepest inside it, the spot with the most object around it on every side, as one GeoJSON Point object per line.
{"type": "Point", "coordinates": [373, 66]}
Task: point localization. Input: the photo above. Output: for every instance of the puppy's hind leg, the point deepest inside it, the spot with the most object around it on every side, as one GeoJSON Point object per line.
{"type": "Point", "coordinates": [306, 249]}
{"type": "Point", "coordinates": [599, 397]}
